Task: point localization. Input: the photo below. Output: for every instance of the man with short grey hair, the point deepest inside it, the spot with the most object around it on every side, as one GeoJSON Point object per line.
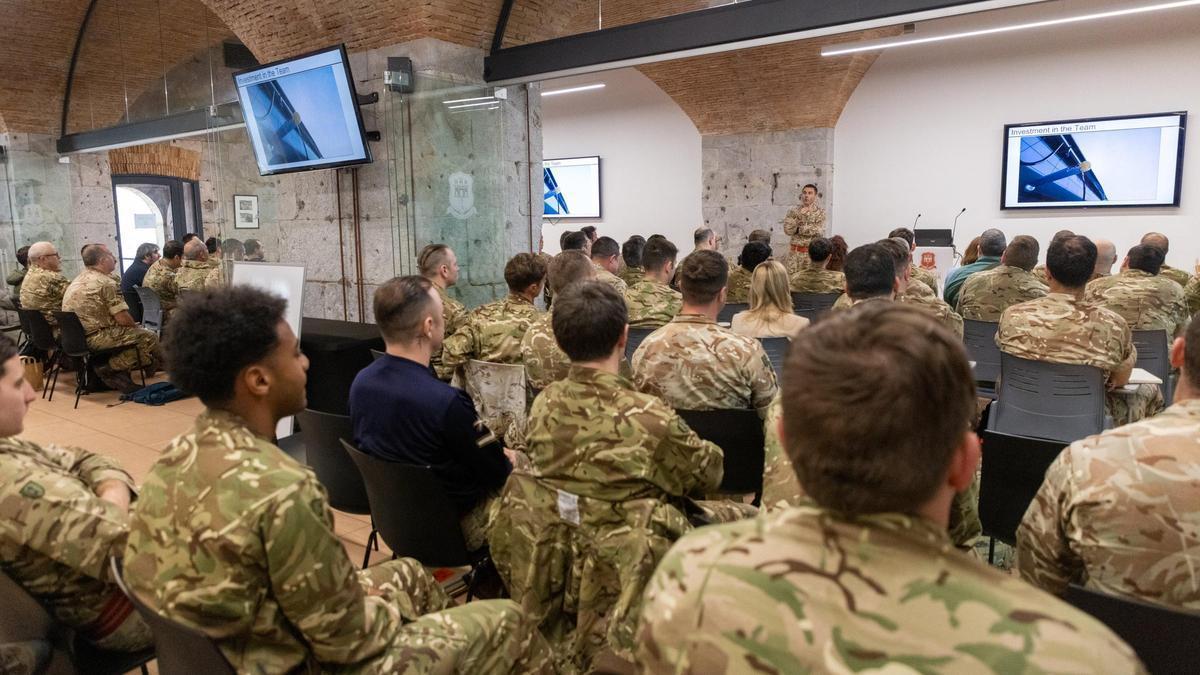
{"type": "Point", "coordinates": [147, 254]}
{"type": "Point", "coordinates": [44, 284]}
{"type": "Point", "coordinates": [991, 246]}
{"type": "Point", "coordinates": [196, 274]}
{"type": "Point", "coordinates": [1106, 257]}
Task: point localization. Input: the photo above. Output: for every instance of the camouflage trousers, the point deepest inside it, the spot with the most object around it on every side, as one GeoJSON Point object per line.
{"type": "Point", "coordinates": [24, 658]}
{"type": "Point", "coordinates": [1129, 407]}
{"type": "Point", "coordinates": [132, 635]}
{"type": "Point", "coordinates": [145, 355]}
{"type": "Point", "coordinates": [725, 510]}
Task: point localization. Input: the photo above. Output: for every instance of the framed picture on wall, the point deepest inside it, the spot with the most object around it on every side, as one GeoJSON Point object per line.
{"type": "Point", "coordinates": [245, 212]}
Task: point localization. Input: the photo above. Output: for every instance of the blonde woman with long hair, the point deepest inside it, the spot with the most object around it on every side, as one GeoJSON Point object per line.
{"type": "Point", "coordinates": [770, 313]}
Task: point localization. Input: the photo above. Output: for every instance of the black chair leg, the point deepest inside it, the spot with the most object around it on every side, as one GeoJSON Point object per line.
{"type": "Point", "coordinates": [51, 372]}
{"type": "Point", "coordinates": [991, 549]}
{"type": "Point", "coordinates": [144, 670]}
{"type": "Point", "coordinates": [372, 540]}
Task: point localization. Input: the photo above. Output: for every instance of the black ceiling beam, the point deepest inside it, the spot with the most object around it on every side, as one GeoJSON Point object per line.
{"type": "Point", "coordinates": [694, 30]}
{"type": "Point", "coordinates": [501, 26]}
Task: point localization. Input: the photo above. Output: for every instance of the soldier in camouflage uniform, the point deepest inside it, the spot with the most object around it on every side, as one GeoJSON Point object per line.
{"type": "Point", "coordinates": [606, 259]}
{"type": "Point", "coordinates": [910, 291]}
{"type": "Point", "coordinates": [44, 282]}
{"type": "Point", "coordinates": [63, 513]}
{"type": "Point", "coordinates": [652, 302]}
{"type": "Point", "coordinates": [918, 273]}
{"type": "Point", "coordinates": [439, 264]}
{"type": "Point", "coordinates": [1140, 294]}
{"type": "Point", "coordinates": [232, 537]}
{"type": "Point", "coordinates": [1160, 241]}
{"type": "Point", "coordinates": [493, 332]}
{"type": "Point", "coordinates": [1118, 512]}
{"type": "Point", "coordinates": [160, 278]}
{"type": "Point", "coordinates": [1061, 328]}
{"type": "Point", "coordinates": [632, 271]}
{"type": "Point", "coordinates": [544, 361]}
{"type": "Point", "coordinates": [802, 224]}
{"type": "Point", "coordinates": [985, 295]}
{"type": "Point", "coordinates": [576, 542]}
{"type": "Point", "coordinates": [737, 289]}
{"type": "Point", "coordinates": [197, 274]}
{"type": "Point", "coordinates": [863, 577]}
{"type": "Point", "coordinates": [694, 364]}
{"type": "Point", "coordinates": [814, 277]}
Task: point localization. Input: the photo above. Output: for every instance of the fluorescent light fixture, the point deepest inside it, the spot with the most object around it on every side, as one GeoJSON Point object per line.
{"type": "Point", "coordinates": [873, 45]}
{"type": "Point", "coordinates": [155, 139]}
{"type": "Point", "coordinates": [587, 87]}
{"type": "Point", "coordinates": [468, 100]}
{"type": "Point", "coordinates": [490, 101]}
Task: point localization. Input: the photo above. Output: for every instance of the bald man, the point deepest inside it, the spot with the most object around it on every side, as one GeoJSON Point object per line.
{"type": "Point", "coordinates": [196, 274]}
{"type": "Point", "coordinates": [1106, 257]}
{"type": "Point", "coordinates": [44, 283]}
{"type": "Point", "coordinates": [1160, 241]}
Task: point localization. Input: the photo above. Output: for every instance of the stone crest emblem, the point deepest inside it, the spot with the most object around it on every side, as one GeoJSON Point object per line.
{"type": "Point", "coordinates": [462, 196]}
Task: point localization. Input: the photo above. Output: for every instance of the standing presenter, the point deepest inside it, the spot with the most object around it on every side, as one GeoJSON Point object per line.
{"type": "Point", "coordinates": [803, 224]}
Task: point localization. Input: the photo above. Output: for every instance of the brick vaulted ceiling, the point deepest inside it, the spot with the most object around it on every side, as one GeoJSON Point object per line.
{"type": "Point", "coordinates": [766, 88]}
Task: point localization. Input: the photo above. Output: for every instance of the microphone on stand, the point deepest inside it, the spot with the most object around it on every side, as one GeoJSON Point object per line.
{"type": "Point", "coordinates": [954, 231]}
{"type": "Point", "coordinates": [915, 221]}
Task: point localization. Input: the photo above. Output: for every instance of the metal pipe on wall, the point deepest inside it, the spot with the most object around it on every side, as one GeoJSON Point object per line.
{"type": "Point", "coordinates": [358, 251]}
{"type": "Point", "coordinates": [337, 188]}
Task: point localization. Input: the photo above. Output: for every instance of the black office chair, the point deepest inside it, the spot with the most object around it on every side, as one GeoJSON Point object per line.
{"type": "Point", "coordinates": [152, 309]}
{"type": "Point", "coordinates": [323, 434]}
{"type": "Point", "coordinates": [813, 306]}
{"type": "Point", "coordinates": [979, 337]}
{"type": "Point", "coordinates": [776, 349]}
{"type": "Point", "coordinates": [1056, 401]}
{"type": "Point", "coordinates": [41, 335]}
{"type": "Point", "coordinates": [1154, 356]}
{"type": "Point", "coordinates": [181, 649]}
{"type": "Point", "coordinates": [133, 299]}
{"type": "Point", "coordinates": [739, 434]}
{"type": "Point", "coordinates": [74, 345]}
{"type": "Point", "coordinates": [415, 516]}
{"type": "Point", "coordinates": [1163, 638]}
{"type": "Point", "coordinates": [727, 312]}
{"type": "Point", "coordinates": [376, 354]}
{"type": "Point", "coordinates": [636, 336]}
{"type": "Point", "coordinates": [1013, 470]}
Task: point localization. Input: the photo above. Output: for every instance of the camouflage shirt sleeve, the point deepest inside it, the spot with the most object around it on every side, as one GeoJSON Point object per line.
{"type": "Point", "coordinates": [760, 374]}
{"type": "Point", "coordinates": [697, 464]}
{"type": "Point", "coordinates": [93, 469]}
{"type": "Point", "coordinates": [1044, 555]}
{"type": "Point", "coordinates": [111, 297]}
{"type": "Point", "coordinates": [457, 350]}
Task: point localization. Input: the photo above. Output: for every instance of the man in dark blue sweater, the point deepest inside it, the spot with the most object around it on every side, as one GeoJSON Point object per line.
{"type": "Point", "coordinates": [147, 255]}
{"type": "Point", "coordinates": [402, 413]}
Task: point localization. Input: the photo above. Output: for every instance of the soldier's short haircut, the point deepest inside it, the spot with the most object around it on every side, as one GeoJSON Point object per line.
{"type": "Point", "coordinates": [1061, 234]}
{"type": "Point", "coordinates": [145, 250]}
{"type": "Point", "coordinates": [589, 231]}
{"type": "Point", "coordinates": [212, 244]}
{"type": "Point", "coordinates": [913, 395]}
{"type": "Point", "coordinates": [901, 255]}
{"type": "Point", "coordinates": [605, 247]}
{"type": "Point", "coordinates": [573, 241]}
{"type": "Point", "coordinates": [172, 249]}
{"type": "Point", "coordinates": [1071, 260]}
{"type": "Point", "coordinates": [992, 242]}
{"type": "Point", "coordinates": [401, 305]}
{"type": "Point", "coordinates": [903, 233]}
{"type": "Point", "coordinates": [702, 276]}
{"type": "Point", "coordinates": [820, 249]}
{"type": "Point", "coordinates": [431, 258]}
{"type": "Point", "coordinates": [217, 333]}
{"type": "Point", "coordinates": [253, 246]}
{"type": "Point", "coordinates": [753, 254]}
{"type": "Point", "coordinates": [763, 236]}
{"type": "Point", "coordinates": [567, 268]}
{"type": "Point", "coordinates": [1022, 252]}
{"type": "Point", "coordinates": [589, 319]}
{"type": "Point", "coordinates": [1147, 258]}
{"type": "Point", "coordinates": [8, 349]}
{"type": "Point", "coordinates": [870, 272]}
{"type": "Point", "coordinates": [92, 254]}
{"type": "Point", "coordinates": [522, 270]}
{"type": "Point", "coordinates": [631, 250]}
{"type": "Point", "coordinates": [189, 236]}
{"type": "Point", "coordinates": [1157, 239]}
{"type": "Point", "coordinates": [658, 253]}
{"type": "Point", "coordinates": [234, 247]}
{"type": "Point", "coordinates": [702, 234]}
{"type": "Point", "coordinates": [193, 249]}
{"type": "Point", "coordinates": [23, 256]}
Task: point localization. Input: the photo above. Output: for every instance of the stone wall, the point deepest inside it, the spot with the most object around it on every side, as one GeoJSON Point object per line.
{"type": "Point", "coordinates": [751, 180]}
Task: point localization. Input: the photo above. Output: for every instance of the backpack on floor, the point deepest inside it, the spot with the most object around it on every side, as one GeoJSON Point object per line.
{"type": "Point", "coordinates": [155, 394]}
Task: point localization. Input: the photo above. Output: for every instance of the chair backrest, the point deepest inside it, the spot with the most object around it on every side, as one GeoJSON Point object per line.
{"type": "Point", "coordinates": [134, 301]}
{"type": "Point", "coordinates": [499, 393]}
{"type": "Point", "coordinates": [23, 617]}
{"type": "Point", "coordinates": [813, 302]}
{"type": "Point", "coordinates": [412, 511]}
{"type": "Point", "coordinates": [636, 336]}
{"type": "Point", "coordinates": [323, 434]}
{"type": "Point", "coordinates": [739, 434]}
{"type": "Point", "coordinates": [181, 649]}
{"type": "Point", "coordinates": [1162, 637]}
{"type": "Point", "coordinates": [979, 337]}
{"type": "Point", "coordinates": [37, 329]}
{"type": "Point", "coordinates": [1154, 356]}
{"type": "Point", "coordinates": [1012, 472]}
{"type": "Point", "coordinates": [71, 333]}
{"type": "Point", "coordinates": [1055, 401]}
{"type": "Point", "coordinates": [776, 349]}
{"type": "Point", "coordinates": [727, 312]}
{"type": "Point", "coordinates": [376, 354]}
{"type": "Point", "coordinates": [152, 311]}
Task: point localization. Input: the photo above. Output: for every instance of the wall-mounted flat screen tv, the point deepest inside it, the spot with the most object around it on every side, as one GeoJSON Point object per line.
{"type": "Point", "coordinates": [571, 187]}
{"type": "Point", "coordinates": [302, 113]}
{"type": "Point", "coordinates": [1108, 161]}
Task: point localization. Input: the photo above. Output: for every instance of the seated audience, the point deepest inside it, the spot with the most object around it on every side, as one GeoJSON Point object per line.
{"type": "Point", "coordinates": [63, 513]}
{"type": "Point", "coordinates": [761, 236]}
{"type": "Point", "coordinates": [493, 332]}
{"type": "Point", "coordinates": [1040, 270]}
{"type": "Point", "coordinates": [197, 274]}
{"type": "Point", "coordinates": [402, 413]}
{"type": "Point", "coordinates": [17, 276]}
{"type": "Point", "coordinates": [576, 544]}
{"type": "Point", "coordinates": [1160, 241]}
{"type": "Point", "coordinates": [991, 246]}
{"type": "Point", "coordinates": [188, 237]}
{"type": "Point", "coordinates": [921, 274]}
{"type": "Point", "coordinates": [985, 295]}
{"type": "Point", "coordinates": [910, 291]}
{"type": "Point", "coordinates": [705, 239]}
{"type": "Point", "coordinates": [1141, 294]}
{"type": "Point", "coordinates": [652, 302]}
{"type": "Point", "coordinates": [1106, 257]}
{"type": "Point", "coordinates": [837, 259]}
{"type": "Point", "coordinates": [694, 364]}
{"type": "Point", "coordinates": [871, 275]}
{"type": "Point", "coordinates": [135, 274]}
{"type": "Point", "coordinates": [544, 360]}
{"type": "Point", "coordinates": [590, 232]}
{"type": "Point", "coordinates": [254, 251]}
{"type": "Point", "coordinates": [160, 278]}
{"type": "Point", "coordinates": [631, 255]}
{"type": "Point", "coordinates": [575, 241]}
{"type": "Point", "coordinates": [863, 577]}
{"type": "Point", "coordinates": [232, 537]}
{"type": "Point", "coordinates": [439, 264]}
{"type": "Point", "coordinates": [606, 258]}
{"type": "Point", "coordinates": [1118, 512]}
{"type": "Point", "coordinates": [96, 300]}
{"type": "Point", "coordinates": [215, 253]}
{"type": "Point", "coordinates": [971, 253]}
{"type": "Point", "coordinates": [770, 313]}
{"type": "Point", "coordinates": [233, 249]}
{"type": "Point", "coordinates": [816, 277]}
{"type": "Point", "coordinates": [1061, 328]}
{"type": "Point", "coordinates": [44, 284]}
{"type": "Point", "coordinates": [737, 289]}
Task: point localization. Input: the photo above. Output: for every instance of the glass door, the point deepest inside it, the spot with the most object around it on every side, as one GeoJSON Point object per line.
{"type": "Point", "coordinates": [151, 210]}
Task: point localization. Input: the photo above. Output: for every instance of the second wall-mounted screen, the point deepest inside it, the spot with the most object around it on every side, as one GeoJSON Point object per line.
{"type": "Point", "coordinates": [572, 187]}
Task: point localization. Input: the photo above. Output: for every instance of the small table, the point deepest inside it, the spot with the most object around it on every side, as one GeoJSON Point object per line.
{"type": "Point", "coordinates": [336, 351]}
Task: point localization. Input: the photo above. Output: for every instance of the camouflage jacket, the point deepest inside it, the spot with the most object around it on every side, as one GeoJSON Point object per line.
{"type": "Point", "coordinates": [56, 535]}
{"type": "Point", "coordinates": [694, 364]}
{"type": "Point", "coordinates": [813, 279]}
{"type": "Point", "coordinates": [194, 275]}
{"type": "Point", "coordinates": [611, 279]}
{"type": "Point", "coordinates": [1177, 275]}
{"type": "Point", "coordinates": [1119, 513]}
{"type": "Point", "coordinates": [43, 290]}
{"type": "Point", "coordinates": [454, 315]}
{"type": "Point", "coordinates": [806, 590]}
{"type": "Point", "coordinates": [1061, 329]}
{"type": "Point", "coordinates": [924, 276]}
{"type": "Point", "coordinates": [492, 333]}
{"type": "Point", "coordinates": [160, 278]}
{"type": "Point", "coordinates": [737, 289]}
{"type": "Point", "coordinates": [1191, 295]}
{"type": "Point", "coordinates": [1145, 301]}
{"type": "Point", "coordinates": [96, 299]}
{"type": "Point", "coordinates": [985, 295]}
{"type": "Point", "coordinates": [544, 361]}
{"type": "Point", "coordinates": [922, 297]}
{"type": "Point", "coordinates": [652, 304]}
{"type": "Point", "coordinates": [804, 227]}
{"type": "Point", "coordinates": [1039, 273]}
{"type": "Point", "coordinates": [631, 275]}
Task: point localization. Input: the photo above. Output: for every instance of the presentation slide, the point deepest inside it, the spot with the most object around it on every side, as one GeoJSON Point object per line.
{"type": "Point", "coordinates": [572, 187]}
{"type": "Point", "coordinates": [1130, 161]}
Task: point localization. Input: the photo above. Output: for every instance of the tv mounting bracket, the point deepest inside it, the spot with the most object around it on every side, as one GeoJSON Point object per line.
{"type": "Point", "coordinates": [369, 99]}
